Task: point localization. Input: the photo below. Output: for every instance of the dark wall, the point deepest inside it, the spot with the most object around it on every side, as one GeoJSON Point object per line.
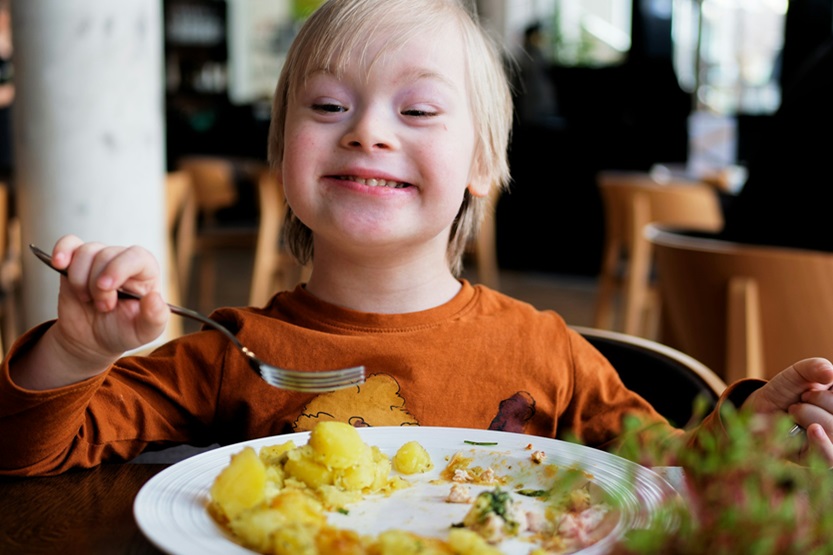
{"type": "Point", "coordinates": [625, 117]}
{"type": "Point", "coordinates": [628, 116]}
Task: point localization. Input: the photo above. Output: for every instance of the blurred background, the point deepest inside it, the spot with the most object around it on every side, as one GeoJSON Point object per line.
{"type": "Point", "coordinates": [109, 97]}
{"type": "Point", "coordinates": [634, 82]}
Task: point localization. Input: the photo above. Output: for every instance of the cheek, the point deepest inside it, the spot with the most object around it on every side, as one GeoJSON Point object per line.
{"type": "Point", "coordinates": [454, 161]}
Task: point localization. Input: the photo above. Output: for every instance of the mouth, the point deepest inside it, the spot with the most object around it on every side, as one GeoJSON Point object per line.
{"type": "Point", "coordinates": [373, 182]}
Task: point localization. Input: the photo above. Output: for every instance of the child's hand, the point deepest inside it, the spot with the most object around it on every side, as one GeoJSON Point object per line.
{"type": "Point", "coordinates": [802, 390]}
{"type": "Point", "coordinates": [94, 327]}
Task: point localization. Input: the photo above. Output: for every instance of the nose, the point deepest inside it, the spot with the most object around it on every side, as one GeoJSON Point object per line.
{"type": "Point", "coordinates": [371, 129]}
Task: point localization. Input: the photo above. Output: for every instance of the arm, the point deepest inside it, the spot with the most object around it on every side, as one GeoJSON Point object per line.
{"type": "Point", "coordinates": [93, 327]}
{"type": "Point", "coordinates": [139, 403]}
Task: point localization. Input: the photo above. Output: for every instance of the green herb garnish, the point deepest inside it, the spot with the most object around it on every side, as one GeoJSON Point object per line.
{"type": "Point", "coordinates": [480, 442]}
{"type": "Point", "coordinates": [533, 492]}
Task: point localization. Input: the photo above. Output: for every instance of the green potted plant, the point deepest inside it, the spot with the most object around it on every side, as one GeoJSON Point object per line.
{"type": "Point", "coordinates": [743, 495]}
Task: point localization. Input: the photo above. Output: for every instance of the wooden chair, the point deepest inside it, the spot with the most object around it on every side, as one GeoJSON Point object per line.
{"type": "Point", "coordinates": [483, 248]}
{"type": "Point", "coordinates": [667, 378]}
{"type": "Point", "coordinates": [274, 267]}
{"type": "Point", "coordinates": [215, 188]}
{"type": "Point", "coordinates": [632, 200]}
{"type": "Point", "coordinates": [744, 310]}
{"type": "Point", "coordinates": [181, 222]}
{"type": "Point", "coordinates": [10, 271]}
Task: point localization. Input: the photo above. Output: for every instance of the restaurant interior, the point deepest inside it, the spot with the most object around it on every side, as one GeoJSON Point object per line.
{"type": "Point", "coordinates": [631, 90]}
{"type": "Point", "coordinates": [630, 113]}
{"type": "Point", "coordinates": [655, 110]}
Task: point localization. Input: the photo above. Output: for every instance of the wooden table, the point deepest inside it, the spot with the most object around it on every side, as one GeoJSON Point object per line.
{"type": "Point", "coordinates": [86, 512]}
{"type": "Point", "coordinates": [90, 512]}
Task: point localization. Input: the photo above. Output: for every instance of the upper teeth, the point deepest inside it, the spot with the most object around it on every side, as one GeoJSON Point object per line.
{"type": "Point", "coordinates": [378, 182]}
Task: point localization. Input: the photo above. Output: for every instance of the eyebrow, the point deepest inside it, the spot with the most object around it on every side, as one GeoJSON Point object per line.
{"type": "Point", "coordinates": [421, 74]}
{"type": "Point", "coordinates": [412, 74]}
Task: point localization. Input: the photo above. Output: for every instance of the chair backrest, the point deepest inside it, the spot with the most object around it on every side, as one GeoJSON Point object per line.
{"type": "Point", "coordinates": [213, 181]}
{"type": "Point", "coordinates": [181, 226]}
{"type": "Point", "coordinates": [181, 221]}
{"type": "Point", "coordinates": [744, 310]}
{"type": "Point", "coordinates": [274, 268]}
{"type": "Point", "coordinates": [484, 245]}
{"type": "Point", "coordinates": [632, 200]}
{"type": "Point", "coordinates": [668, 379]}
{"type": "Point", "coordinates": [10, 270]}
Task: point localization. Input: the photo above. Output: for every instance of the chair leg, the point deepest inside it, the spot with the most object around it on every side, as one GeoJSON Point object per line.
{"type": "Point", "coordinates": [608, 285]}
{"type": "Point", "coordinates": [639, 272]}
{"type": "Point", "coordinates": [207, 281]}
{"type": "Point", "coordinates": [744, 336]}
{"type": "Point", "coordinates": [487, 266]}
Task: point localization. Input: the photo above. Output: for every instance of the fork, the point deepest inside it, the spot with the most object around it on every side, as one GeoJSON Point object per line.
{"type": "Point", "coordinates": [292, 380]}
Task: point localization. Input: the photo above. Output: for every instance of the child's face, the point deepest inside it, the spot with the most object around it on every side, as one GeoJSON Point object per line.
{"type": "Point", "coordinates": [382, 156]}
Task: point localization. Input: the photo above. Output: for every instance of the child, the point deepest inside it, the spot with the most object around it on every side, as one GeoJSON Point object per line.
{"type": "Point", "coordinates": [390, 126]}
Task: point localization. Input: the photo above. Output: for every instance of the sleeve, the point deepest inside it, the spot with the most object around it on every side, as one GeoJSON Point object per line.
{"type": "Point", "coordinates": [142, 402]}
{"type": "Point", "coordinates": [600, 401]}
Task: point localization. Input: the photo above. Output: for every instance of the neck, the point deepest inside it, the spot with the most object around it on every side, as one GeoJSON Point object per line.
{"type": "Point", "coordinates": [394, 287]}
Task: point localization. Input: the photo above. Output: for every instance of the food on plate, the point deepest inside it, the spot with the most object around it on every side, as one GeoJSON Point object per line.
{"type": "Point", "coordinates": [298, 499]}
{"type": "Point", "coordinates": [495, 516]}
{"type": "Point", "coordinates": [460, 469]}
{"type": "Point", "coordinates": [336, 467]}
{"type": "Point", "coordinates": [412, 458]}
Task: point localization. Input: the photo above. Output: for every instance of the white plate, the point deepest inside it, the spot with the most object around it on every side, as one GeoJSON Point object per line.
{"type": "Point", "coordinates": [171, 507]}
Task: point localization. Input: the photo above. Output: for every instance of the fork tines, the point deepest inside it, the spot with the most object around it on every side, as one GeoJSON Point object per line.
{"type": "Point", "coordinates": [311, 382]}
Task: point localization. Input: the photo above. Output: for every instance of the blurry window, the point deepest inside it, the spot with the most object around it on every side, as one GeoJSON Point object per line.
{"type": "Point", "coordinates": [734, 66]}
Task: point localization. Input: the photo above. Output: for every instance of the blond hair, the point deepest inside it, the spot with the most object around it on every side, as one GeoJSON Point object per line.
{"type": "Point", "coordinates": [340, 31]}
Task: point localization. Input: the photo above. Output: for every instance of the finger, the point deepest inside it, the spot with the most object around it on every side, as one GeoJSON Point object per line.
{"type": "Point", "coordinates": [817, 372]}
{"type": "Point", "coordinates": [819, 397]}
{"type": "Point", "coordinates": [787, 386]}
{"type": "Point", "coordinates": [820, 442]}
{"type": "Point", "coordinates": [133, 268]}
{"type": "Point", "coordinates": [113, 268]}
{"type": "Point", "coordinates": [80, 268]}
{"type": "Point", "coordinates": [102, 286]}
{"type": "Point", "coordinates": [806, 414]}
{"type": "Point", "coordinates": [63, 250]}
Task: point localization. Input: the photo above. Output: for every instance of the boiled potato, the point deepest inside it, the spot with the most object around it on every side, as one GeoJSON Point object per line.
{"type": "Point", "coordinates": [337, 445]}
{"type": "Point", "coordinates": [295, 539]}
{"type": "Point", "coordinates": [400, 542]}
{"type": "Point", "coordinates": [334, 541]}
{"type": "Point", "coordinates": [295, 505]}
{"type": "Point", "coordinates": [255, 527]}
{"type": "Point", "coordinates": [272, 454]}
{"type": "Point", "coordinates": [467, 542]}
{"type": "Point", "coordinates": [357, 478]}
{"type": "Point", "coordinates": [412, 458]}
{"type": "Point", "coordinates": [241, 485]}
{"type": "Point", "coordinates": [301, 465]}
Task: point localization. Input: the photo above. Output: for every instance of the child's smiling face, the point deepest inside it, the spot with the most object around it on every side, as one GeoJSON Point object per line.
{"type": "Point", "coordinates": [381, 155]}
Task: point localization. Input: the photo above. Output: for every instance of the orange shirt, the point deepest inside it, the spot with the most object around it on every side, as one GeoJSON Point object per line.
{"type": "Point", "coordinates": [482, 360]}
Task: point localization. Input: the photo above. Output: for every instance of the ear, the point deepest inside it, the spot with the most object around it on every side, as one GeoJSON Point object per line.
{"type": "Point", "coordinates": [479, 189]}
{"type": "Point", "coordinates": [479, 185]}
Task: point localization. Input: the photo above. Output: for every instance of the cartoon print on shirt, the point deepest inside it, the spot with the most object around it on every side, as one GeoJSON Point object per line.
{"type": "Point", "coordinates": [514, 413]}
{"type": "Point", "coordinates": [377, 402]}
